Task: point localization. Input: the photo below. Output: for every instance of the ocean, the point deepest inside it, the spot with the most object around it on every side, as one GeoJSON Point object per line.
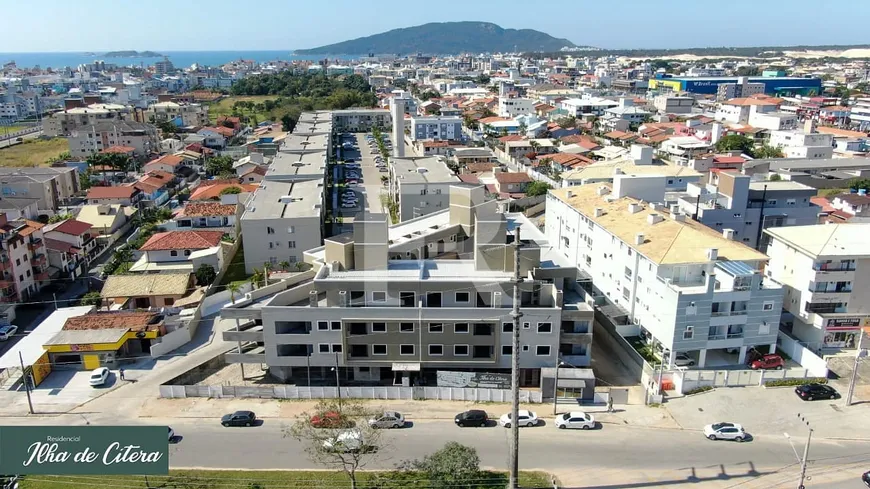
{"type": "Point", "coordinates": [181, 59]}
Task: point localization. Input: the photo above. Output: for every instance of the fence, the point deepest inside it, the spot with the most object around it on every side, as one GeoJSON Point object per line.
{"type": "Point", "coordinates": [686, 380]}
{"type": "Point", "coordinates": [374, 392]}
{"type": "Point", "coordinates": [215, 302]}
{"type": "Point", "coordinates": [798, 352]}
{"type": "Point", "coordinates": [171, 341]}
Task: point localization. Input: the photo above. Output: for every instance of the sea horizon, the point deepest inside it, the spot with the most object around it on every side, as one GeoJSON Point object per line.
{"type": "Point", "coordinates": [181, 59]}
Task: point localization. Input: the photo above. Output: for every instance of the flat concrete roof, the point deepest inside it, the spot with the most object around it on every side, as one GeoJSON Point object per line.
{"type": "Point", "coordinates": [30, 346]}
{"type": "Point", "coordinates": [820, 240]}
{"type": "Point", "coordinates": [305, 200]}
{"type": "Point", "coordinates": [428, 169]}
{"type": "Point", "coordinates": [294, 166]}
{"type": "Point", "coordinates": [88, 336]}
{"type": "Point", "coordinates": [779, 185]}
{"type": "Point", "coordinates": [300, 141]}
{"type": "Point", "coordinates": [605, 170]}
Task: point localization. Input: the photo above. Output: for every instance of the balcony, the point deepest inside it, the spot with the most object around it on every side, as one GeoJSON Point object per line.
{"type": "Point", "coordinates": [38, 260]}
{"type": "Point", "coordinates": [42, 276]}
{"type": "Point", "coordinates": [245, 335]}
{"type": "Point", "coordinates": [34, 244]}
{"type": "Point", "coordinates": [251, 353]}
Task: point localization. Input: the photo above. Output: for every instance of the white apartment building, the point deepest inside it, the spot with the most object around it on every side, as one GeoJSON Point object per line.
{"type": "Point", "coordinates": [737, 110]}
{"type": "Point", "coordinates": [671, 104]}
{"type": "Point", "coordinates": [773, 120]}
{"type": "Point", "coordinates": [860, 113]}
{"type": "Point", "coordinates": [799, 144]}
{"type": "Point", "coordinates": [438, 128]}
{"type": "Point", "coordinates": [182, 115]}
{"type": "Point", "coordinates": [825, 271]}
{"type": "Point", "coordinates": [579, 107]}
{"type": "Point", "coordinates": [512, 107]}
{"type": "Point", "coordinates": [420, 185]}
{"type": "Point", "coordinates": [681, 150]}
{"type": "Point", "coordinates": [63, 123]}
{"type": "Point", "coordinates": [676, 281]}
{"type": "Point", "coordinates": [94, 138]}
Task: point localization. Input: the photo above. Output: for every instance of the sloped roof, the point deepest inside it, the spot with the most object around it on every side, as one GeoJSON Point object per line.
{"type": "Point", "coordinates": [205, 209]}
{"type": "Point", "coordinates": [134, 321]}
{"type": "Point", "coordinates": [183, 240]}
{"type": "Point", "coordinates": [145, 285]}
{"type": "Point", "coordinates": [72, 227]}
{"type": "Point", "coordinates": [121, 192]}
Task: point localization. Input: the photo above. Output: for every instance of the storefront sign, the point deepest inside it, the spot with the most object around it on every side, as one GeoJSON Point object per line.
{"type": "Point", "coordinates": [84, 450]}
{"type": "Point", "coordinates": [483, 380]}
{"type": "Point", "coordinates": [847, 324]}
{"type": "Point", "coordinates": [406, 367]}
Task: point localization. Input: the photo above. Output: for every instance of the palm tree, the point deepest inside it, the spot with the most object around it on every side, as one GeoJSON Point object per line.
{"type": "Point", "coordinates": [267, 267]}
{"type": "Point", "coordinates": [234, 288]}
{"type": "Point", "coordinates": [256, 278]}
{"type": "Point", "coordinates": [284, 265]}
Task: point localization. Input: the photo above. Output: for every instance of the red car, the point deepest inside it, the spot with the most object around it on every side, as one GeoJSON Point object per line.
{"type": "Point", "coordinates": [768, 362]}
{"type": "Point", "coordinates": [330, 419]}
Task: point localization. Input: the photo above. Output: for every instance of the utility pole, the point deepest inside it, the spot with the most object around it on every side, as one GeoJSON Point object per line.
{"type": "Point", "coordinates": [26, 384]}
{"type": "Point", "coordinates": [337, 382]}
{"type": "Point", "coordinates": [806, 452]}
{"type": "Point", "coordinates": [858, 355]}
{"type": "Point", "coordinates": [514, 481]}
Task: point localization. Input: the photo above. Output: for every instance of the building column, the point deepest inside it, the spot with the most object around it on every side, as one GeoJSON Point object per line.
{"type": "Point", "coordinates": [741, 357]}
{"type": "Point", "coordinates": [772, 349]}
{"type": "Point", "coordinates": [702, 358]}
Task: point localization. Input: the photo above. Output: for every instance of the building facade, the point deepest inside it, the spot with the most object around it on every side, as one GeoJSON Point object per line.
{"type": "Point", "coordinates": [437, 128]}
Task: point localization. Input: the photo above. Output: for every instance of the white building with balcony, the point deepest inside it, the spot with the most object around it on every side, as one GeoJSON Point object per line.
{"type": "Point", "coordinates": [825, 271]}
{"type": "Point", "coordinates": [673, 280]}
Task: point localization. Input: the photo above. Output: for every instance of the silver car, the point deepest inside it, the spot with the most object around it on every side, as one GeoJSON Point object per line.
{"type": "Point", "coordinates": [389, 419]}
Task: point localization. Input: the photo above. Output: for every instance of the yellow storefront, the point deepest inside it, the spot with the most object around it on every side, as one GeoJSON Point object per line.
{"type": "Point", "coordinates": [91, 349]}
{"type": "Point", "coordinates": [674, 85]}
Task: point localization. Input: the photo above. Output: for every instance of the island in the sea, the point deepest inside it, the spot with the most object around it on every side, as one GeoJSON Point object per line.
{"type": "Point", "coordinates": [132, 54]}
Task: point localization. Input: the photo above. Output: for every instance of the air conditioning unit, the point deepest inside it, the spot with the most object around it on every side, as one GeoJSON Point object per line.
{"type": "Point", "coordinates": [342, 298]}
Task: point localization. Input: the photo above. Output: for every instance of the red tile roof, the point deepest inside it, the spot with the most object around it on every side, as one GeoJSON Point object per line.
{"type": "Point", "coordinates": [824, 203]}
{"type": "Point", "coordinates": [259, 170]}
{"type": "Point", "coordinates": [135, 321]}
{"type": "Point", "coordinates": [169, 160]}
{"type": "Point", "coordinates": [62, 246]}
{"type": "Point", "coordinates": [205, 209]}
{"type": "Point", "coordinates": [212, 190]}
{"type": "Point", "coordinates": [124, 192]}
{"type": "Point", "coordinates": [469, 178]}
{"type": "Point", "coordinates": [732, 160]}
{"type": "Point", "coordinates": [479, 167]}
{"type": "Point", "coordinates": [516, 177]}
{"type": "Point", "coordinates": [512, 137]}
{"type": "Point", "coordinates": [72, 227]}
{"type": "Point", "coordinates": [223, 131]}
{"type": "Point", "coordinates": [183, 240]}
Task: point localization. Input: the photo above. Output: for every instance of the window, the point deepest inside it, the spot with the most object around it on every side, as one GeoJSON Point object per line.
{"type": "Point", "coordinates": [186, 252]}
{"type": "Point", "coordinates": [322, 326]}
{"type": "Point", "coordinates": [771, 201]}
{"type": "Point", "coordinates": [270, 230]}
{"type": "Point", "coordinates": [357, 351]}
{"type": "Point", "coordinates": [625, 293]}
{"type": "Point", "coordinates": [379, 327]}
{"type": "Point", "coordinates": [768, 306]}
{"type": "Point", "coordinates": [336, 325]}
{"type": "Point", "coordinates": [689, 333]}
{"type": "Point", "coordinates": [790, 201]}
{"type": "Point", "coordinates": [291, 244]}
{"type": "Point", "coordinates": [527, 325]}
{"type": "Point", "coordinates": [463, 297]}
{"type": "Point", "coordinates": [460, 328]}
{"type": "Point", "coordinates": [408, 299]}
{"type": "Point", "coordinates": [482, 329]}
{"type": "Point", "coordinates": [436, 350]}
{"type": "Point", "coordinates": [379, 297]}
{"type": "Point", "coordinates": [379, 349]}
{"type": "Point", "coordinates": [336, 348]}
{"type": "Point", "coordinates": [291, 230]}
{"type": "Point", "coordinates": [460, 350]}
{"type": "Point", "coordinates": [764, 328]}
{"type": "Point", "coordinates": [28, 274]}
{"type": "Point", "coordinates": [406, 327]}
{"type": "Point", "coordinates": [506, 350]}
{"type": "Point", "coordinates": [737, 215]}
{"type": "Point", "coordinates": [481, 351]}
{"type": "Point", "coordinates": [173, 253]}
{"type": "Point", "coordinates": [507, 327]}
{"type": "Point", "coordinates": [545, 327]}
{"type": "Point", "coordinates": [436, 328]}
{"type": "Point", "coordinates": [542, 350]}
{"type": "Point", "coordinates": [628, 273]}
{"type": "Point", "coordinates": [406, 349]}
{"type": "Point", "coordinates": [323, 348]}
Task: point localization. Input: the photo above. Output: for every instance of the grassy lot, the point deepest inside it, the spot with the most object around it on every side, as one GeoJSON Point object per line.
{"type": "Point", "coordinates": [11, 129]}
{"type": "Point", "coordinates": [32, 152]}
{"type": "Point", "coordinates": [237, 479]}
{"type": "Point", "coordinates": [225, 107]}
{"type": "Point", "coordinates": [236, 270]}
{"type": "Point", "coordinates": [828, 192]}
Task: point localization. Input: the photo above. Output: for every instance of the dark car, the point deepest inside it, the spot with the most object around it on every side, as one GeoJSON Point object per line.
{"type": "Point", "coordinates": [808, 392]}
{"type": "Point", "coordinates": [239, 418]}
{"type": "Point", "coordinates": [475, 417]}
{"type": "Point", "coordinates": [866, 479]}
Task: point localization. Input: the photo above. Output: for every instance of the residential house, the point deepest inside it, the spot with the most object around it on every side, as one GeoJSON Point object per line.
{"type": "Point", "coordinates": [214, 189]}
{"type": "Point", "coordinates": [19, 207]}
{"type": "Point", "coordinates": [155, 186]}
{"type": "Point", "coordinates": [179, 114]}
{"type": "Point", "coordinates": [144, 291]}
{"type": "Point", "coordinates": [23, 260]}
{"type": "Point", "coordinates": [71, 245]}
{"type": "Point", "coordinates": [465, 156]}
{"type": "Point", "coordinates": [253, 175]}
{"type": "Point", "coordinates": [512, 183]}
{"type": "Point", "coordinates": [167, 163]}
{"type": "Point", "coordinates": [823, 269]}
{"type": "Point", "coordinates": [123, 194]}
{"type": "Point", "coordinates": [857, 204]}
{"type": "Point", "coordinates": [215, 137]}
{"type": "Point", "coordinates": [208, 215]}
{"type": "Point", "coordinates": [181, 251]}
{"type": "Point", "coordinates": [800, 144]}
{"type": "Point", "coordinates": [681, 150]}
{"type": "Point", "coordinates": [591, 106]}
{"type": "Point", "coordinates": [108, 221]}
{"type": "Point", "coordinates": [248, 163]}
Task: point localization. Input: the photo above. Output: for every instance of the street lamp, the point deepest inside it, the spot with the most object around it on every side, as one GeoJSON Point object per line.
{"type": "Point", "coordinates": [337, 381]}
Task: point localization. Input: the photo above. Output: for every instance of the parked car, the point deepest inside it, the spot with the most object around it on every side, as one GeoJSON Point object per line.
{"type": "Point", "coordinates": [348, 206]}
{"type": "Point", "coordinates": [346, 441]}
{"type": "Point", "coordinates": [724, 431]}
{"type": "Point", "coordinates": [383, 169]}
{"type": "Point", "coordinates": [330, 419]}
{"type": "Point", "coordinates": [475, 417]}
{"type": "Point", "coordinates": [526, 418]}
{"type": "Point", "coordinates": [239, 418]}
{"type": "Point", "coordinates": [767, 362]}
{"type": "Point", "coordinates": [99, 377]}
{"type": "Point", "coordinates": [866, 478]}
{"type": "Point", "coordinates": [809, 392]}
{"type": "Point", "coordinates": [7, 331]}
{"type": "Point", "coordinates": [576, 420]}
{"type": "Point", "coordinates": [681, 360]}
{"type": "Point", "coordinates": [389, 419]}
{"type": "Point", "coordinates": [171, 433]}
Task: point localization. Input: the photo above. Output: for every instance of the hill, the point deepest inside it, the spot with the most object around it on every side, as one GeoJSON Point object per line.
{"type": "Point", "coordinates": [132, 54]}
{"type": "Point", "coordinates": [446, 38]}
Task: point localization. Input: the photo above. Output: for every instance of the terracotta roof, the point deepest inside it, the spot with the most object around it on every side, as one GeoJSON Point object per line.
{"type": "Point", "coordinates": [61, 246]}
{"type": "Point", "coordinates": [739, 160]}
{"type": "Point", "coordinates": [169, 160]}
{"type": "Point", "coordinates": [183, 240]}
{"type": "Point", "coordinates": [32, 226]}
{"type": "Point", "coordinates": [71, 227]}
{"type": "Point", "coordinates": [516, 177]}
{"type": "Point", "coordinates": [223, 131]}
{"type": "Point", "coordinates": [479, 167]}
{"type": "Point", "coordinates": [122, 192]}
{"type": "Point", "coordinates": [469, 178]}
{"type": "Point", "coordinates": [119, 149]}
{"type": "Point", "coordinates": [208, 190]}
{"type": "Point", "coordinates": [436, 144]}
{"type": "Point", "coordinates": [824, 203]}
{"type": "Point", "coordinates": [615, 134]}
{"type": "Point", "coordinates": [259, 170]}
{"type": "Point", "coordinates": [512, 137]}
{"type": "Point", "coordinates": [205, 209]}
{"type": "Point", "coordinates": [490, 120]}
{"type": "Point", "coordinates": [134, 321]}
{"type": "Point", "coordinates": [841, 132]}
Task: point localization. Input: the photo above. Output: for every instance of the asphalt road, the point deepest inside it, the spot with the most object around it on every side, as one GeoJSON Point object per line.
{"type": "Point", "coordinates": [12, 141]}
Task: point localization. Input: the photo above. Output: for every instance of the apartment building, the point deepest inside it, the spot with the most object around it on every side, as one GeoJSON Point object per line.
{"type": "Point", "coordinates": [681, 150]}
{"type": "Point", "coordinates": [181, 115]}
{"type": "Point", "coordinates": [512, 107]}
{"type": "Point", "coordinates": [825, 271]}
{"type": "Point", "coordinates": [397, 305]}
{"type": "Point", "coordinates": [737, 110]}
{"type": "Point", "coordinates": [354, 120]}
{"type": "Point", "coordinates": [76, 119]}
{"type": "Point", "coordinates": [860, 114]}
{"type": "Point", "coordinates": [671, 104]}
{"type": "Point", "coordinates": [578, 107]}
{"type": "Point", "coordinates": [800, 144]}
{"type": "Point", "coordinates": [420, 185]}
{"type": "Point", "coordinates": [143, 138]}
{"type": "Point", "coordinates": [51, 187]}
{"type": "Point", "coordinates": [437, 128]}
{"type": "Point", "coordinates": [732, 204]}
{"type": "Point", "coordinates": [666, 277]}
{"type": "Point", "coordinates": [23, 259]}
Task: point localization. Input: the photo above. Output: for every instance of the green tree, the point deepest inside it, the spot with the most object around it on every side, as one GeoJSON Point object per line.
{"type": "Point", "coordinates": [284, 265]}
{"type": "Point", "coordinates": [735, 142]}
{"type": "Point", "coordinates": [59, 217]}
{"type": "Point", "coordinates": [767, 151]}
{"type": "Point", "coordinates": [453, 466]}
{"type": "Point", "coordinates": [85, 179]}
{"type": "Point", "coordinates": [205, 274]}
{"type": "Point", "coordinates": [234, 288]}
{"type": "Point", "coordinates": [91, 299]}
{"type": "Point", "coordinates": [287, 123]}
{"type": "Point", "coordinates": [231, 191]}
{"type": "Point", "coordinates": [537, 188]}
{"type": "Point", "coordinates": [860, 183]}
{"type": "Point", "coordinates": [256, 278]}
{"type": "Point", "coordinates": [775, 178]}
{"type": "Point", "coordinates": [219, 164]}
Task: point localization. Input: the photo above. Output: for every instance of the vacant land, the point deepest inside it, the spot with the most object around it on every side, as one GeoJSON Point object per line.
{"type": "Point", "coordinates": [10, 129]}
{"type": "Point", "coordinates": [33, 152]}
{"type": "Point", "coordinates": [238, 479]}
{"type": "Point", "coordinates": [225, 107]}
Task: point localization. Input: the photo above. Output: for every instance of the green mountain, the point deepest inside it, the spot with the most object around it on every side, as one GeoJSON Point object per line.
{"type": "Point", "coordinates": [447, 38]}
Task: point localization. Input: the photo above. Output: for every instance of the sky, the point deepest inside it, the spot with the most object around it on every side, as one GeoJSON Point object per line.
{"type": "Point", "coordinates": [217, 25]}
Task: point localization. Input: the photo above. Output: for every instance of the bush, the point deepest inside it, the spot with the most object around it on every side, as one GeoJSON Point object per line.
{"type": "Point", "coordinates": [698, 390]}
{"type": "Point", "coordinates": [795, 382]}
{"type": "Point", "coordinates": [205, 275]}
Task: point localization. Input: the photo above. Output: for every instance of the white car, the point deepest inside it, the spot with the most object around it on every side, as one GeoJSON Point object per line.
{"type": "Point", "coordinates": [526, 418]}
{"type": "Point", "coordinates": [724, 431]}
{"type": "Point", "coordinates": [99, 376]}
{"type": "Point", "coordinates": [681, 360]}
{"type": "Point", "coordinates": [389, 419]}
{"type": "Point", "coordinates": [576, 420]}
{"type": "Point", "coordinates": [345, 441]}
{"type": "Point", "coordinates": [383, 169]}
{"type": "Point", "coordinates": [7, 332]}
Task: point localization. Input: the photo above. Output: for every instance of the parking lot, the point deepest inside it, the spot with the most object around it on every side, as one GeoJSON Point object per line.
{"type": "Point", "coordinates": [368, 182]}
{"type": "Point", "coordinates": [772, 411]}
